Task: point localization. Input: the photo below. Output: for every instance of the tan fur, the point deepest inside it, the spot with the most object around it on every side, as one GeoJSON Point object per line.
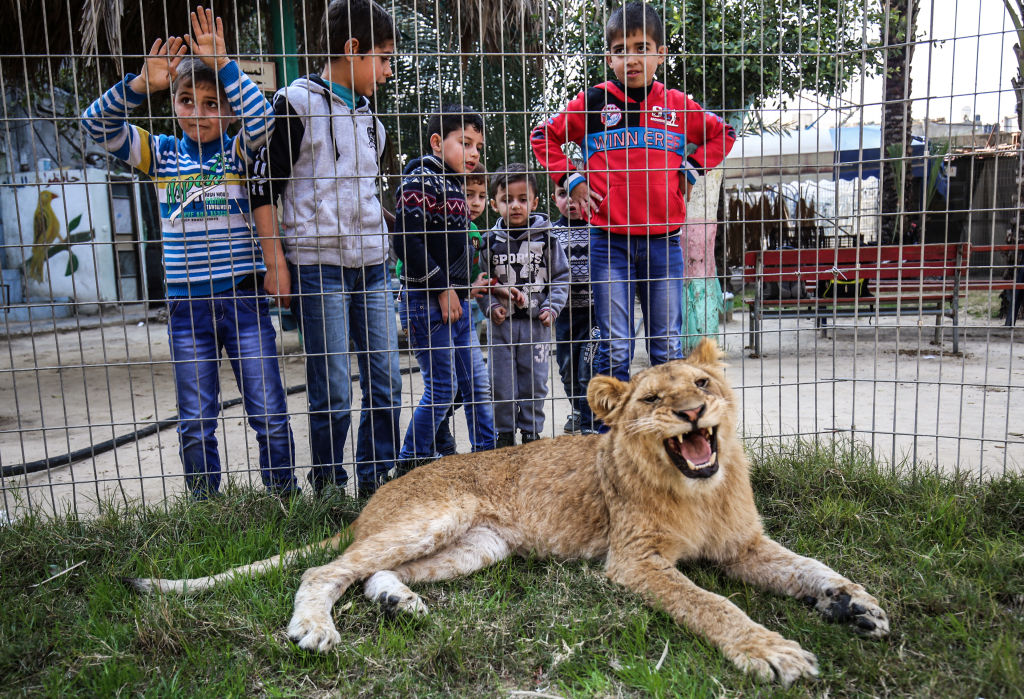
{"type": "Point", "coordinates": [617, 496]}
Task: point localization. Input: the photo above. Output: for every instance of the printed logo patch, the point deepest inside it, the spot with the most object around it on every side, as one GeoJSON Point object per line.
{"type": "Point", "coordinates": [665, 116]}
{"type": "Point", "coordinates": [611, 115]}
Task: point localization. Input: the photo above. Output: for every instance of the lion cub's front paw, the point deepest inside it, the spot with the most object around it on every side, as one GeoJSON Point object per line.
{"type": "Point", "coordinates": [769, 656]}
{"type": "Point", "coordinates": [851, 604]}
{"type": "Point", "coordinates": [313, 634]}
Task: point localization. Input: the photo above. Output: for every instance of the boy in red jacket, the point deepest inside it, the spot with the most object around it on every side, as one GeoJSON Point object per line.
{"type": "Point", "coordinates": [637, 173]}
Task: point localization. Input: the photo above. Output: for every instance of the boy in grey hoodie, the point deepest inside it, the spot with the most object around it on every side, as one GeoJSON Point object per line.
{"type": "Point", "coordinates": [322, 162]}
{"type": "Point", "coordinates": [529, 265]}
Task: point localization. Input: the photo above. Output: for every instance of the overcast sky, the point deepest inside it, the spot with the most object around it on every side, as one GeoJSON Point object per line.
{"type": "Point", "coordinates": [967, 65]}
{"type": "Point", "coordinates": [962, 66]}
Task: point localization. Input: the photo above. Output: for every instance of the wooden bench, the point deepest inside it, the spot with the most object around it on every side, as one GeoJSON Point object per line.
{"type": "Point", "coordinates": [990, 283]}
{"type": "Point", "coordinates": [901, 279]}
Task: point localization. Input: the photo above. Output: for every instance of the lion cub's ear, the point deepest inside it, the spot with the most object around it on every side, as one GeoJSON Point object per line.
{"type": "Point", "coordinates": [605, 394]}
{"type": "Point", "coordinates": [707, 354]}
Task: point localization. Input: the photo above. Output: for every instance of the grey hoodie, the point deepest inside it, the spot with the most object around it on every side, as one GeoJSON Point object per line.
{"type": "Point", "coordinates": [530, 259]}
{"type": "Point", "coordinates": [322, 160]}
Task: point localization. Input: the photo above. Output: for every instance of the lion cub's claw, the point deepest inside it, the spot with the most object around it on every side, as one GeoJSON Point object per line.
{"type": "Point", "coordinates": [769, 656]}
{"type": "Point", "coordinates": [310, 634]}
{"type": "Point", "coordinates": [854, 606]}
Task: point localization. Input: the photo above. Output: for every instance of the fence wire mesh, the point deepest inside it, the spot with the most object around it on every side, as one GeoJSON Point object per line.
{"type": "Point", "coordinates": [851, 238]}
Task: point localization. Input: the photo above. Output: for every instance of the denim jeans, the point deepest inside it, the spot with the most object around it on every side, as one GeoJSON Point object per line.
{"type": "Point", "coordinates": [346, 310]}
{"type": "Point", "coordinates": [448, 355]}
{"type": "Point", "coordinates": [575, 343]}
{"type": "Point", "coordinates": [1016, 298]}
{"type": "Point", "coordinates": [621, 268]}
{"type": "Point", "coordinates": [237, 321]}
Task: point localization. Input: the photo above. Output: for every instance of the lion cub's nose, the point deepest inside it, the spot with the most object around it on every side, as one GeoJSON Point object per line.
{"type": "Point", "coordinates": [691, 415]}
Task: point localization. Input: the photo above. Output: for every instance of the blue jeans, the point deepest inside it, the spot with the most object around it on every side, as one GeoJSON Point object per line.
{"type": "Point", "coordinates": [622, 267]}
{"type": "Point", "coordinates": [576, 338]}
{"type": "Point", "coordinates": [448, 355]}
{"type": "Point", "coordinates": [237, 321]}
{"type": "Point", "coordinates": [341, 309]}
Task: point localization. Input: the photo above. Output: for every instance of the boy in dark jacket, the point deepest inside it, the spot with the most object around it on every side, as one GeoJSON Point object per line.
{"type": "Point", "coordinates": [521, 255]}
{"type": "Point", "coordinates": [576, 331]}
{"type": "Point", "coordinates": [431, 241]}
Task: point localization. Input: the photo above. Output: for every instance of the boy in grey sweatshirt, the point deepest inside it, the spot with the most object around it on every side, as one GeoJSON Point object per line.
{"type": "Point", "coordinates": [330, 258]}
{"type": "Point", "coordinates": [527, 262]}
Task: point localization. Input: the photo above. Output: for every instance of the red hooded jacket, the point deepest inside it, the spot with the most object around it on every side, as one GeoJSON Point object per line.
{"type": "Point", "coordinates": [635, 152]}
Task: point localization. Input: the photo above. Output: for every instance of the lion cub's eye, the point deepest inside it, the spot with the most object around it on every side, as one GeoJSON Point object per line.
{"type": "Point", "coordinates": [702, 383]}
{"type": "Point", "coordinates": [653, 398]}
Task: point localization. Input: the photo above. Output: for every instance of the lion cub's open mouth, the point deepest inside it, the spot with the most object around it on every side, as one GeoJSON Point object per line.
{"type": "Point", "coordinates": [695, 453]}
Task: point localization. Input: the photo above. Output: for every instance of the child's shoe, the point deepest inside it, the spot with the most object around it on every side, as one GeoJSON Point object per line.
{"type": "Point", "coordinates": [530, 437]}
{"type": "Point", "coordinates": [444, 440]}
{"type": "Point", "coordinates": [572, 424]}
{"type": "Point", "coordinates": [505, 439]}
{"type": "Point", "coordinates": [366, 488]}
{"type": "Point", "coordinates": [403, 466]}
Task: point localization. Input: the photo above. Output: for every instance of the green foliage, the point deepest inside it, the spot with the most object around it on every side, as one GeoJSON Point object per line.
{"type": "Point", "coordinates": [431, 70]}
{"type": "Point", "coordinates": [734, 55]}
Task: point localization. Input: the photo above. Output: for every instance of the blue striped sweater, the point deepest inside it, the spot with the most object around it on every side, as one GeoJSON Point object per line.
{"type": "Point", "coordinates": [208, 242]}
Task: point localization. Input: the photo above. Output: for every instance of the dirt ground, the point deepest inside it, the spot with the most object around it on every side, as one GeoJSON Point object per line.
{"type": "Point", "coordinates": [884, 386]}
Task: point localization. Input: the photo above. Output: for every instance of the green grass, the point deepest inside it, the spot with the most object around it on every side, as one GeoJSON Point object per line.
{"type": "Point", "coordinates": [944, 555]}
{"type": "Point", "coordinates": [982, 304]}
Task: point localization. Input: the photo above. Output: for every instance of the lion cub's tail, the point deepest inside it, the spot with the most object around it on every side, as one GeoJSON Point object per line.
{"type": "Point", "coordinates": [190, 585]}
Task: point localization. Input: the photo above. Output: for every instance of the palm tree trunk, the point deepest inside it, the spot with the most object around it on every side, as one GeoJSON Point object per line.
{"type": "Point", "coordinates": [896, 138]}
{"type": "Point", "coordinates": [1017, 16]}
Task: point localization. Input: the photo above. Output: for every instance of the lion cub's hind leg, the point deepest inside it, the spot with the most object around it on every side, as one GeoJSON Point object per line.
{"type": "Point", "coordinates": [408, 537]}
{"type": "Point", "coordinates": [769, 564]}
{"type": "Point", "coordinates": [385, 587]}
{"type": "Point", "coordinates": [477, 548]}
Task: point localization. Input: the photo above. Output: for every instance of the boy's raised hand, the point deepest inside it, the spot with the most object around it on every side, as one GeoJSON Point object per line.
{"type": "Point", "coordinates": [160, 67]}
{"type": "Point", "coordinates": [586, 201]}
{"type": "Point", "coordinates": [208, 43]}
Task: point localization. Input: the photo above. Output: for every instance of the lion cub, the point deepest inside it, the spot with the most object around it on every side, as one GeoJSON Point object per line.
{"type": "Point", "coordinates": [668, 483]}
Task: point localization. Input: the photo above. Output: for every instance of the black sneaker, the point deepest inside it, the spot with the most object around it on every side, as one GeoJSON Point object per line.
{"type": "Point", "coordinates": [505, 439]}
{"type": "Point", "coordinates": [530, 437]}
{"type": "Point", "coordinates": [572, 424]}
{"type": "Point", "coordinates": [331, 491]}
{"type": "Point", "coordinates": [365, 491]}
{"type": "Point", "coordinates": [403, 466]}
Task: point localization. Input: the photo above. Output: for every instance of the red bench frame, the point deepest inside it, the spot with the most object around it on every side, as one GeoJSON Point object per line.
{"type": "Point", "coordinates": [921, 279]}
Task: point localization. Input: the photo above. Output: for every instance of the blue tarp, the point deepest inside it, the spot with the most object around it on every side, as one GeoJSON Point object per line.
{"type": "Point", "coordinates": [857, 152]}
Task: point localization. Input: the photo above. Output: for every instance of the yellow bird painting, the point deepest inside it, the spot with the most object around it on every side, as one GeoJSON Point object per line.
{"type": "Point", "coordinates": [45, 231]}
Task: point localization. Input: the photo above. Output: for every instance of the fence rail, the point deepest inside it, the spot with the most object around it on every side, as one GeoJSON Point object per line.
{"type": "Point", "coordinates": [830, 154]}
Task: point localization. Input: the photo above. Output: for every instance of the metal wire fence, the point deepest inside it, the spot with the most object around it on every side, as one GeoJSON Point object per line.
{"type": "Point", "coordinates": [850, 238]}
